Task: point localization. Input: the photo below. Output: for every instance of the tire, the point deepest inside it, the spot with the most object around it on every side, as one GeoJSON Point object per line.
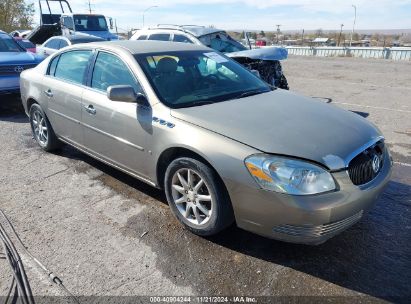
{"type": "Point", "coordinates": [45, 136]}
{"type": "Point", "coordinates": [190, 206]}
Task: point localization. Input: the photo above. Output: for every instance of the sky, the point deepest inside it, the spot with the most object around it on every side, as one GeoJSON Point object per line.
{"type": "Point", "coordinates": [253, 14]}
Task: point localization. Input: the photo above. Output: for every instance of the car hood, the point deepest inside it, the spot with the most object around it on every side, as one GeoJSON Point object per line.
{"type": "Point", "coordinates": [282, 122]}
{"type": "Point", "coordinates": [7, 58]}
{"type": "Point", "coordinates": [268, 53]}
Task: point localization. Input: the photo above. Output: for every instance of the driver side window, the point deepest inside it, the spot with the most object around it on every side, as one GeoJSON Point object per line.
{"type": "Point", "coordinates": [110, 70]}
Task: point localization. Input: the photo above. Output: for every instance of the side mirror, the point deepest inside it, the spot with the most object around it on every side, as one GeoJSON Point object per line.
{"type": "Point", "coordinates": [110, 20]}
{"type": "Point", "coordinates": [121, 93]}
{"type": "Point", "coordinates": [125, 93]}
{"type": "Point", "coordinates": [141, 99]}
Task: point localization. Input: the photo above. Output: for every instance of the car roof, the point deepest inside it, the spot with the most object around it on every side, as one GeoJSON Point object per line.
{"type": "Point", "coordinates": [149, 46]}
{"type": "Point", "coordinates": [195, 30]}
{"type": "Point", "coordinates": [76, 40]}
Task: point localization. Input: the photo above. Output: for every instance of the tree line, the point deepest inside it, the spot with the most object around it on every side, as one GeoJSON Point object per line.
{"type": "Point", "coordinates": [15, 14]}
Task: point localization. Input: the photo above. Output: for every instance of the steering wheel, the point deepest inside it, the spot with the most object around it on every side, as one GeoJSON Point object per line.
{"type": "Point", "coordinates": [209, 80]}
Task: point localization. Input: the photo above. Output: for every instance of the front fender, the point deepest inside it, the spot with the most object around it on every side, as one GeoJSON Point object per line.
{"type": "Point", "coordinates": [269, 53]}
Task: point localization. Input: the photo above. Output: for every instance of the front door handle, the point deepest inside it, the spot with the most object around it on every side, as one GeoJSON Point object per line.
{"type": "Point", "coordinates": [90, 109]}
{"type": "Point", "coordinates": [48, 93]}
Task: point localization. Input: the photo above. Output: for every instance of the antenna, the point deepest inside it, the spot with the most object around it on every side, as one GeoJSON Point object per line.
{"type": "Point", "coordinates": [89, 6]}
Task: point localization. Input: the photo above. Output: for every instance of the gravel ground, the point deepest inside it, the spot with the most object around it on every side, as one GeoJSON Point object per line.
{"type": "Point", "coordinates": [106, 234]}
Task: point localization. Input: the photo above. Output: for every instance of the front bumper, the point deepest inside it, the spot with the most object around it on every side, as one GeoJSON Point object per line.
{"type": "Point", "coordinates": [9, 84]}
{"type": "Point", "coordinates": [309, 219]}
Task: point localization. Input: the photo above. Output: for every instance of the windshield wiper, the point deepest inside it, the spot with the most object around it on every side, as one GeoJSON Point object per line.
{"type": "Point", "coordinates": [251, 93]}
{"type": "Point", "coordinates": [197, 103]}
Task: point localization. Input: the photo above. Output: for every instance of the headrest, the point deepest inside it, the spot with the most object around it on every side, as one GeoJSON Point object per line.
{"type": "Point", "coordinates": [167, 65]}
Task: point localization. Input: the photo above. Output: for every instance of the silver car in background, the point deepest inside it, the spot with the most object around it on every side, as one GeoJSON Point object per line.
{"type": "Point", "coordinates": [55, 43]}
{"type": "Point", "coordinates": [223, 145]}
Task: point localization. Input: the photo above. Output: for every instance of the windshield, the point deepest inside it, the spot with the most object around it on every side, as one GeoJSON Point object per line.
{"type": "Point", "coordinates": [7, 44]}
{"type": "Point", "coordinates": [90, 23]}
{"type": "Point", "coordinates": [222, 42]}
{"type": "Point", "coordinates": [194, 78]}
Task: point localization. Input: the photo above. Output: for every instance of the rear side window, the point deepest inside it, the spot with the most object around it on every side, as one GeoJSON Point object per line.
{"type": "Point", "coordinates": [110, 70]}
{"type": "Point", "coordinates": [53, 44]}
{"type": "Point", "coordinates": [161, 37]}
{"type": "Point", "coordinates": [52, 66]}
{"type": "Point", "coordinates": [142, 37]}
{"type": "Point", "coordinates": [181, 38]}
{"type": "Point", "coordinates": [72, 66]}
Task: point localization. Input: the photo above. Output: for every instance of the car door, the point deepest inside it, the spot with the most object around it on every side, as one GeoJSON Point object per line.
{"type": "Point", "coordinates": [114, 130]}
{"type": "Point", "coordinates": [63, 86]}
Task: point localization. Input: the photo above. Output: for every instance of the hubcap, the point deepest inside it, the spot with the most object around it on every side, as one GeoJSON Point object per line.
{"type": "Point", "coordinates": [39, 127]}
{"type": "Point", "coordinates": [191, 196]}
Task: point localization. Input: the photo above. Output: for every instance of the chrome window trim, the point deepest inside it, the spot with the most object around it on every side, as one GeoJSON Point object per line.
{"type": "Point", "coordinates": [364, 147]}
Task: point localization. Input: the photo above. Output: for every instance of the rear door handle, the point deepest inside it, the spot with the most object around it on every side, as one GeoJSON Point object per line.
{"type": "Point", "coordinates": [48, 93]}
{"type": "Point", "coordinates": [90, 109]}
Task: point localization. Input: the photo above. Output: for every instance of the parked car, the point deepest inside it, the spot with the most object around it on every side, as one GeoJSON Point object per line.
{"type": "Point", "coordinates": [20, 33]}
{"type": "Point", "coordinates": [261, 42]}
{"type": "Point", "coordinates": [266, 61]}
{"type": "Point", "coordinates": [56, 43]}
{"type": "Point", "coordinates": [26, 44]}
{"type": "Point", "coordinates": [13, 60]}
{"type": "Point", "coordinates": [223, 144]}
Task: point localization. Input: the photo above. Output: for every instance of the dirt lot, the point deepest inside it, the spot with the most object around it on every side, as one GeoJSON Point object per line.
{"type": "Point", "coordinates": [104, 233]}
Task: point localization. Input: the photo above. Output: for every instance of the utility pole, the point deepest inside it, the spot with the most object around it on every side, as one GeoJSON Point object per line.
{"type": "Point", "coordinates": [278, 33]}
{"type": "Point", "coordinates": [353, 25]}
{"type": "Point", "coordinates": [89, 6]}
{"type": "Point", "coordinates": [339, 37]}
{"type": "Point", "coordinates": [147, 10]}
{"type": "Point", "coordinates": [302, 38]}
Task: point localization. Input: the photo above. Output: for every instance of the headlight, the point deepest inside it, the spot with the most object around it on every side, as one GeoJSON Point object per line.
{"type": "Point", "coordinates": [287, 175]}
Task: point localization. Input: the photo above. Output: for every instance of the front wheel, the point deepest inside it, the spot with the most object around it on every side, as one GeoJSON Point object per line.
{"type": "Point", "coordinates": [197, 197]}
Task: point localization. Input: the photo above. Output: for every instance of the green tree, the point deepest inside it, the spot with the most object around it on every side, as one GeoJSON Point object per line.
{"type": "Point", "coordinates": [15, 14]}
{"type": "Point", "coordinates": [262, 34]}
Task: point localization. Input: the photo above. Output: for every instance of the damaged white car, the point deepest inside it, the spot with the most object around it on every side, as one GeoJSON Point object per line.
{"type": "Point", "coordinates": [265, 60]}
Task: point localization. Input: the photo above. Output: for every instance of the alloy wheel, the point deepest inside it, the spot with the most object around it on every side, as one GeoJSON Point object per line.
{"type": "Point", "coordinates": [40, 127]}
{"type": "Point", "coordinates": [192, 196]}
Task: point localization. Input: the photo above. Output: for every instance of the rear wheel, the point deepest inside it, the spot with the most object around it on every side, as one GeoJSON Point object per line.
{"type": "Point", "coordinates": [41, 128]}
{"type": "Point", "coordinates": [197, 197]}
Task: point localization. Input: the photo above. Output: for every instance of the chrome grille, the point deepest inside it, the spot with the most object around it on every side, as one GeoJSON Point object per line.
{"type": "Point", "coordinates": [361, 169]}
{"type": "Point", "coordinates": [15, 69]}
{"type": "Point", "coordinates": [312, 231]}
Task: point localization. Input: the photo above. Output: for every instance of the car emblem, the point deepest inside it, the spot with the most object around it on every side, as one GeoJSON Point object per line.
{"type": "Point", "coordinates": [18, 69]}
{"type": "Point", "coordinates": [376, 163]}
